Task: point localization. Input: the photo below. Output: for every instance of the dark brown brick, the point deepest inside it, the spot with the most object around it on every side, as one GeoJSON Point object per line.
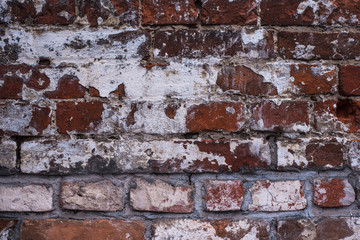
{"type": "Point", "coordinates": [68, 87]}
{"type": "Point", "coordinates": [349, 80]}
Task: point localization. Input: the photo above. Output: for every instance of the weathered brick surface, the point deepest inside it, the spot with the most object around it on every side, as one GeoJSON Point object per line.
{"type": "Point", "coordinates": [326, 228]}
{"type": "Point", "coordinates": [98, 196]}
{"type": "Point", "coordinates": [223, 229]}
{"type": "Point", "coordinates": [243, 80]}
{"type": "Point", "coordinates": [78, 117]}
{"type": "Point", "coordinates": [333, 192]}
{"type": "Point", "coordinates": [197, 44]}
{"type": "Point", "coordinates": [310, 154]}
{"type": "Point", "coordinates": [283, 116]}
{"type": "Point", "coordinates": [337, 116]}
{"type": "Point", "coordinates": [155, 12]}
{"type": "Point", "coordinates": [29, 198]}
{"type": "Point", "coordinates": [224, 195]}
{"type": "Point", "coordinates": [216, 116]}
{"type": "Point", "coordinates": [354, 154]}
{"type": "Point", "coordinates": [229, 12]}
{"type": "Point", "coordinates": [314, 79]}
{"type": "Point", "coordinates": [349, 80]}
{"type": "Point", "coordinates": [7, 229]}
{"type": "Point", "coordinates": [34, 120]}
{"type": "Point", "coordinates": [7, 157]}
{"type": "Point", "coordinates": [316, 45]}
{"type": "Point", "coordinates": [277, 196]}
{"type": "Point", "coordinates": [160, 196]}
{"type": "Point", "coordinates": [79, 156]}
{"type": "Point", "coordinates": [51, 229]}
{"type": "Point", "coordinates": [111, 13]}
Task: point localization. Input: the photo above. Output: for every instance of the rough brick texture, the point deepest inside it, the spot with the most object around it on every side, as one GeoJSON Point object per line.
{"type": "Point", "coordinates": [179, 119]}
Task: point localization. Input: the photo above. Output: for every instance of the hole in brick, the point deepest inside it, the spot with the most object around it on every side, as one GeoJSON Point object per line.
{"type": "Point", "coordinates": [44, 61]}
{"type": "Point", "coordinates": [348, 110]}
{"type": "Point", "coordinates": [191, 135]}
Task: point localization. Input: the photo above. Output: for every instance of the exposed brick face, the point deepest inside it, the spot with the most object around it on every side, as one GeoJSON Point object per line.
{"type": "Point", "coordinates": [74, 229]}
{"type": "Point", "coordinates": [161, 197]}
{"type": "Point", "coordinates": [286, 116]}
{"type": "Point", "coordinates": [333, 192]}
{"type": "Point", "coordinates": [68, 87]}
{"type": "Point", "coordinates": [99, 196]}
{"type": "Point", "coordinates": [240, 12]}
{"type": "Point", "coordinates": [78, 117]}
{"type": "Point", "coordinates": [349, 77]}
{"type": "Point", "coordinates": [224, 195]}
{"type": "Point", "coordinates": [169, 12]}
{"type": "Point", "coordinates": [216, 116]}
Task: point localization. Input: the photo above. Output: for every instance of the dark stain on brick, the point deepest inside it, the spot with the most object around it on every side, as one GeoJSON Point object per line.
{"type": "Point", "coordinates": [291, 230]}
{"type": "Point", "coordinates": [96, 164]}
{"type": "Point", "coordinates": [333, 229]}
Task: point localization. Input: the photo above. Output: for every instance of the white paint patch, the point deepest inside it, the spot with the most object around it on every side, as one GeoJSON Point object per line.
{"type": "Point", "coordinates": [303, 52]}
{"type": "Point", "coordinates": [254, 37]}
{"type": "Point", "coordinates": [291, 155]}
{"type": "Point", "coordinates": [39, 4]}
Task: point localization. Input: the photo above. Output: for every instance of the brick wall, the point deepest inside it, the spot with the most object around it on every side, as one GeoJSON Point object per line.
{"type": "Point", "coordinates": [179, 119]}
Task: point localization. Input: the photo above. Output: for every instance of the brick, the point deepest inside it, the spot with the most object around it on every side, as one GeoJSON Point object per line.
{"type": "Point", "coordinates": [310, 154]}
{"type": "Point", "coordinates": [243, 80]}
{"type": "Point", "coordinates": [51, 229]}
{"type": "Point", "coordinates": [199, 44]}
{"type": "Point", "coordinates": [323, 228]}
{"type": "Point", "coordinates": [354, 154]}
{"type": "Point", "coordinates": [155, 12]}
{"type": "Point", "coordinates": [7, 157]}
{"type": "Point", "coordinates": [337, 116]}
{"type": "Point", "coordinates": [221, 229]}
{"type": "Point", "coordinates": [240, 12]}
{"type": "Point", "coordinates": [277, 196]}
{"type": "Point", "coordinates": [44, 12]}
{"type": "Point", "coordinates": [180, 155]}
{"type": "Point", "coordinates": [349, 80]}
{"type": "Point", "coordinates": [98, 196]}
{"type": "Point", "coordinates": [68, 87]}
{"type": "Point", "coordinates": [314, 79]}
{"type": "Point", "coordinates": [216, 116]}
{"type": "Point", "coordinates": [80, 117]}
{"type": "Point", "coordinates": [35, 120]}
{"type": "Point", "coordinates": [224, 195]}
{"type": "Point", "coordinates": [111, 13]}
{"type": "Point", "coordinates": [159, 196]}
{"type": "Point", "coordinates": [333, 192]}
{"type": "Point", "coordinates": [340, 13]}
{"type": "Point", "coordinates": [280, 116]}
{"type": "Point", "coordinates": [15, 76]}
{"type": "Point", "coordinates": [30, 198]}
{"type": "Point", "coordinates": [291, 12]}
{"type": "Point", "coordinates": [316, 45]}
{"type": "Point", "coordinates": [7, 229]}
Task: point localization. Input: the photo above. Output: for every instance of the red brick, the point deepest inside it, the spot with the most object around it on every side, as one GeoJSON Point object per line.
{"type": "Point", "coordinates": [68, 87]}
{"type": "Point", "coordinates": [220, 229]}
{"type": "Point", "coordinates": [333, 192]}
{"type": "Point", "coordinates": [161, 12]}
{"type": "Point", "coordinates": [7, 229]}
{"type": "Point", "coordinates": [120, 91]}
{"type": "Point", "coordinates": [112, 13]}
{"type": "Point", "coordinates": [15, 76]}
{"type": "Point", "coordinates": [322, 228]}
{"type": "Point", "coordinates": [341, 115]}
{"type": "Point", "coordinates": [313, 79]}
{"type": "Point", "coordinates": [159, 196]}
{"type": "Point", "coordinates": [101, 229]}
{"type": "Point", "coordinates": [224, 195]}
{"type": "Point", "coordinates": [343, 12]}
{"type": "Point", "coordinates": [286, 116]}
{"type": "Point", "coordinates": [79, 117]}
{"type": "Point", "coordinates": [324, 155]}
{"type": "Point", "coordinates": [33, 121]}
{"type": "Point", "coordinates": [243, 80]}
{"type": "Point", "coordinates": [349, 80]}
{"type": "Point", "coordinates": [94, 92]}
{"type": "Point", "coordinates": [52, 12]}
{"type": "Point", "coordinates": [316, 45]}
{"type": "Point", "coordinates": [216, 116]}
{"type": "Point", "coordinates": [240, 12]}
{"type": "Point", "coordinates": [197, 44]}
{"type": "Point", "coordinates": [277, 12]}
